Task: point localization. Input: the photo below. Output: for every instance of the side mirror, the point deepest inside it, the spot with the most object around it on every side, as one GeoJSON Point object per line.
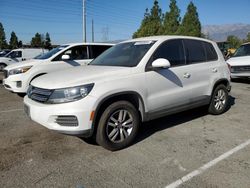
{"type": "Point", "coordinates": [161, 63]}
{"type": "Point", "coordinates": [65, 57]}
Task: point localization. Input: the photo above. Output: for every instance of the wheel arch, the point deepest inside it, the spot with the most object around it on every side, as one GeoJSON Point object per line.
{"type": "Point", "coordinates": [223, 81]}
{"type": "Point", "coordinates": [35, 76]}
{"type": "Point", "coordinates": [131, 96]}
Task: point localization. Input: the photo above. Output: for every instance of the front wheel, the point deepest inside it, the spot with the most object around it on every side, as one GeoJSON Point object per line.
{"type": "Point", "coordinates": [118, 126]}
{"type": "Point", "coordinates": [219, 100]}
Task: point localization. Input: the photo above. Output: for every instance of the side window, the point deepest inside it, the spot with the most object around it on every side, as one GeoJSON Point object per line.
{"type": "Point", "coordinates": [18, 54]}
{"type": "Point", "coordinates": [96, 50]}
{"type": "Point", "coordinates": [195, 52]}
{"type": "Point", "coordinates": [171, 50]}
{"type": "Point", "coordinates": [75, 53]}
{"type": "Point", "coordinates": [210, 52]}
{"type": "Point", "coordinates": [15, 54]}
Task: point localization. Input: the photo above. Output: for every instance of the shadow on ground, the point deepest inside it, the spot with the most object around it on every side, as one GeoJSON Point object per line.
{"type": "Point", "coordinates": [241, 80]}
{"type": "Point", "coordinates": [149, 128]}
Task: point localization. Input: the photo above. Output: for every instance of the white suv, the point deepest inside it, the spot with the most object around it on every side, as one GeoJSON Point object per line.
{"type": "Point", "coordinates": [240, 62]}
{"type": "Point", "coordinates": [135, 81]}
{"type": "Point", "coordinates": [18, 76]}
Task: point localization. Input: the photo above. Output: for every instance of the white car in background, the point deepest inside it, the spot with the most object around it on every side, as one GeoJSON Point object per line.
{"type": "Point", "coordinates": [20, 54]}
{"type": "Point", "coordinates": [240, 62]}
{"type": "Point", "coordinates": [17, 77]}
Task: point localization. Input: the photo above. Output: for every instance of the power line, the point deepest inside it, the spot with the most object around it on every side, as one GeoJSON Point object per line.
{"type": "Point", "coordinates": [55, 7]}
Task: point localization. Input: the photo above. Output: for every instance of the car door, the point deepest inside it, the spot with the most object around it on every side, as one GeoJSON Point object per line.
{"type": "Point", "coordinates": [14, 56]}
{"type": "Point", "coordinates": [168, 89]}
{"type": "Point", "coordinates": [78, 56]}
{"type": "Point", "coordinates": [200, 74]}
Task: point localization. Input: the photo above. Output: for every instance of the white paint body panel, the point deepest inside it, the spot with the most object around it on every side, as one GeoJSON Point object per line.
{"type": "Point", "coordinates": [239, 61]}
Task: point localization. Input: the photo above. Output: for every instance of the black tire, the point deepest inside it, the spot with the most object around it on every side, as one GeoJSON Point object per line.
{"type": "Point", "coordinates": [125, 128]}
{"type": "Point", "coordinates": [90, 140]}
{"type": "Point", "coordinates": [219, 104]}
{"type": "Point", "coordinates": [22, 95]}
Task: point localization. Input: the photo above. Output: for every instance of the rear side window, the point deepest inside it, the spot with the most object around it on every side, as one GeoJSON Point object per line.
{"type": "Point", "coordinates": [195, 51]}
{"type": "Point", "coordinates": [15, 54]}
{"type": "Point", "coordinates": [211, 54]}
{"type": "Point", "coordinates": [171, 50]}
{"type": "Point", "coordinates": [96, 50]}
{"type": "Point", "coordinates": [75, 53]}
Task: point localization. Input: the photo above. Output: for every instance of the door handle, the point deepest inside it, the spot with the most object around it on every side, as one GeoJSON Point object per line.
{"type": "Point", "coordinates": [214, 70]}
{"type": "Point", "coordinates": [187, 75]}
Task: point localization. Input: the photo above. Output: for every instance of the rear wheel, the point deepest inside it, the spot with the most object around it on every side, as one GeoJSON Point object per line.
{"type": "Point", "coordinates": [219, 100]}
{"type": "Point", "coordinates": [118, 126]}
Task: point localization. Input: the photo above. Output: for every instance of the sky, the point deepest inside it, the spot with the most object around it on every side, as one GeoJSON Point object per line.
{"type": "Point", "coordinates": [113, 19]}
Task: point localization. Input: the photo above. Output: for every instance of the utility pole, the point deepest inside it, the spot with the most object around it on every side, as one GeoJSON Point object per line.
{"type": "Point", "coordinates": [93, 37]}
{"type": "Point", "coordinates": [84, 20]}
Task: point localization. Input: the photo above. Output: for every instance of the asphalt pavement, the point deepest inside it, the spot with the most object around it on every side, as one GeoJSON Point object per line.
{"type": "Point", "coordinates": [166, 150]}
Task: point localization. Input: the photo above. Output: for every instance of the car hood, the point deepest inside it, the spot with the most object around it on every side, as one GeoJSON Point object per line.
{"type": "Point", "coordinates": [239, 61]}
{"type": "Point", "coordinates": [26, 63]}
{"type": "Point", "coordinates": [4, 59]}
{"type": "Point", "coordinates": [77, 76]}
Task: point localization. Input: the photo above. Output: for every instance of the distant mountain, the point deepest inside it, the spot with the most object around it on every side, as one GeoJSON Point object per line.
{"type": "Point", "coordinates": [220, 32]}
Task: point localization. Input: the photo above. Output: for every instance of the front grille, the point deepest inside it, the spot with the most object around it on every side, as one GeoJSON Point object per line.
{"type": "Point", "coordinates": [67, 121]}
{"type": "Point", "coordinates": [235, 69]}
{"type": "Point", "coordinates": [38, 94]}
{"type": "Point", "coordinates": [5, 74]}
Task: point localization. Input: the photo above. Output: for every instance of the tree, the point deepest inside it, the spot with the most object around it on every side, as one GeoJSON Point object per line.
{"type": "Point", "coordinates": [248, 37]}
{"type": "Point", "coordinates": [47, 42]}
{"type": "Point", "coordinates": [36, 41]}
{"type": "Point", "coordinates": [233, 41]}
{"type": "Point", "coordinates": [172, 19]}
{"type": "Point", "coordinates": [13, 41]}
{"type": "Point", "coordinates": [20, 44]}
{"type": "Point", "coordinates": [151, 23]}
{"type": "Point", "coordinates": [190, 25]}
{"type": "Point", "coordinates": [140, 32]}
{"type": "Point", "coordinates": [3, 43]}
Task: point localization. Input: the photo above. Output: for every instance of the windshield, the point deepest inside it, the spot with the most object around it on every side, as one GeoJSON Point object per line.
{"type": "Point", "coordinates": [125, 54]}
{"type": "Point", "coordinates": [243, 50]}
{"type": "Point", "coordinates": [51, 52]}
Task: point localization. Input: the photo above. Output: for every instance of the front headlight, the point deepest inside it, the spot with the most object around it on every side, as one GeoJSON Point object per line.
{"type": "Point", "coordinates": [19, 70]}
{"type": "Point", "coordinates": [70, 94]}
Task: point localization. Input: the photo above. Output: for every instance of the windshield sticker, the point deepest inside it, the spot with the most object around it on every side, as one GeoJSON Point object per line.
{"type": "Point", "coordinates": [143, 42]}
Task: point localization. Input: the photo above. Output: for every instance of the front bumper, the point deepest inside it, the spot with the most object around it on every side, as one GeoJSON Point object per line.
{"type": "Point", "coordinates": [240, 75]}
{"type": "Point", "coordinates": [16, 83]}
{"type": "Point", "coordinates": [46, 115]}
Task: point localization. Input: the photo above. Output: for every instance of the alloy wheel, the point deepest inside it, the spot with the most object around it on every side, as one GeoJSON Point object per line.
{"type": "Point", "coordinates": [119, 126]}
{"type": "Point", "coordinates": [220, 99]}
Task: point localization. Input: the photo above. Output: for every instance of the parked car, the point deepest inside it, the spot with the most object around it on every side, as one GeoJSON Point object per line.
{"type": "Point", "coordinates": [17, 77]}
{"type": "Point", "coordinates": [240, 62]}
{"type": "Point", "coordinates": [4, 52]}
{"type": "Point", "coordinates": [18, 55]}
{"type": "Point", "coordinates": [135, 81]}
